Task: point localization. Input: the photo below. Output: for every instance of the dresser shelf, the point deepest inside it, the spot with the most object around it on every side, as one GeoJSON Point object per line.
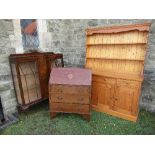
{"type": "Point", "coordinates": [119, 59]}
{"type": "Point", "coordinates": [115, 44]}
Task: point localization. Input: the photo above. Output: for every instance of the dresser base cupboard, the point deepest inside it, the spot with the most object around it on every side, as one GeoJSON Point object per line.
{"type": "Point", "coordinates": [117, 97]}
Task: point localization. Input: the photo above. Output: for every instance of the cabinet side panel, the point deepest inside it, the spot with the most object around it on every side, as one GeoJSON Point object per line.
{"type": "Point", "coordinates": [16, 83]}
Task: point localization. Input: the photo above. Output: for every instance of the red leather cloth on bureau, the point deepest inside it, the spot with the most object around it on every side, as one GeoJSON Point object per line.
{"type": "Point", "coordinates": [71, 76]}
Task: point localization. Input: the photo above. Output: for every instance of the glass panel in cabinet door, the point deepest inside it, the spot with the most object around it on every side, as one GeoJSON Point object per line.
{"type": "Point", "coordinates": [30, 81]}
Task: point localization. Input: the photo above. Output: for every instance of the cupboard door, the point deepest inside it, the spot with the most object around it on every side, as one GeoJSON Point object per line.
{"type": "Point", "coordinates": [102, 94]}
{"type": "Point", "coordinates": [126, 97]}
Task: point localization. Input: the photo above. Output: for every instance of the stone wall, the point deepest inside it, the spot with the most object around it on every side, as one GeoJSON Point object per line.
{"type": "Point", "coordinates": [68, 37]}
{"type": "Point", "coordinates": [6, 85]}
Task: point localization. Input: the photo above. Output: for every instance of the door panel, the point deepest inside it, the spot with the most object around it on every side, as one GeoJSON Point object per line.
{"type": "Point", "coordinates": [126, 98]}
{"type": "Point", "coordinates": [30, 81]}
{"type": "Point", "coordinates": [102, 94]}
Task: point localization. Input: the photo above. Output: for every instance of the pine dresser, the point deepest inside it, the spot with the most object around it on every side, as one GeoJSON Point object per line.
{"type": "Point", "coordinates": [116, 56]}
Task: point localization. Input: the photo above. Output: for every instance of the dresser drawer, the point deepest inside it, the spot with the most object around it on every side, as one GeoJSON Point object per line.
{"type": "Point", "coordinates": [70, 89]}
{"type": "Point", "coordinates": [70, 108]}
{"type": "Point", "coordinates": [128, 83]}
{"type": "Point", "coordinates": [70, 98]}
{"type": "Point", "coordinates": [103, 79]}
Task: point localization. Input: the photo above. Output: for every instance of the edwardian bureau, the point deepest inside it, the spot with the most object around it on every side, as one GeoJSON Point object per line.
{"type": "Point", "coordinates": [70, 91]}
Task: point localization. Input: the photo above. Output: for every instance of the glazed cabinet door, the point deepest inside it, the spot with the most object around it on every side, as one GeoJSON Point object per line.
{"type": "Point", "coordinates": [126, 97]}
{"type": "Point", "coordinates": [30, 81]}
{"type": "Point", "coordinates": [102, 93]}
{"type": "Point", "coordinates": [26, 81]}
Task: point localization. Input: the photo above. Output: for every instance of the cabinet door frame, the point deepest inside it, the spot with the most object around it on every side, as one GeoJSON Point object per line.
{"type": "Point", "coordinates": [19, 61]}
{"type": "Point", "coordinates": [135, 89]}
{"type": "Point", "coordinates": [106, 82]}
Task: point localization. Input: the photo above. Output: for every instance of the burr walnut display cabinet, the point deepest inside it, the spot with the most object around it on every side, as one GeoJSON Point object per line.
{"type": "Point", "coordinates": [116, 56]}
{"type": "Point", "coordinates": [70, 91]}
{"type": "Point", "coordinates": [30, 72]}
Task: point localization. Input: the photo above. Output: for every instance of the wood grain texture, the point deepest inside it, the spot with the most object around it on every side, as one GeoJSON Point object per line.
{"type": "Point", "coordinates": [70, 99]}
{"type": "Point", "coordinates": [118, 29]}
{"type": "Point", "coordinates": [116, 56]}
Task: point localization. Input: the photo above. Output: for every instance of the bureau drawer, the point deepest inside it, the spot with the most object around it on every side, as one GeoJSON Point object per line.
{"type": "Point", "coordinates": [70, 108]}
{"type": "Point", "coordinates": [70, 98]}
{"type": "Point", "coordinates": [70, 89]}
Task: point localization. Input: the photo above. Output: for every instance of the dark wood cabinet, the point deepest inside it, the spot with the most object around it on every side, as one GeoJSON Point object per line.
{"type": "Point", "coordinates": [30, 73]}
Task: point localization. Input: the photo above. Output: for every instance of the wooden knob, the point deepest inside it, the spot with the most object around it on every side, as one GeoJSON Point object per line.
{"type": "Point", "coordinates": [59, 98]}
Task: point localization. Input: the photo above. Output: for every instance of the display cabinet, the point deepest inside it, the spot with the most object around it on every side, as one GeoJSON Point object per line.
{"type": "Point", "coordinates": [30, 73]}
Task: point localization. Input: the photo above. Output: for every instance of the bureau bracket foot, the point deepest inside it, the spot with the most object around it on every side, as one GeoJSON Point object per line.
{"type": "Point", "coordinates": [86, 117]}
{"type": "Point", "coordinates": [53, 114]}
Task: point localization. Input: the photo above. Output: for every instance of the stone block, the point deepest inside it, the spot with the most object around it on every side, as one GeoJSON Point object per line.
{"type": "Point", "coordinates": [5, 86]}
{"type": "Point", "coordinates": [4, 58]}
{"type": "Point", "coordinates": [5, 69]}
{"type": "Point", "coordinates": [8, 94]}
{"type": "Point", "coordinates": [10, 111]}
{"type": "Point", "coordinates": [8, 26]}
{"type": "Point", "coordinates": [4, 42]}
{"type": "Point", "coordinates": [115, 21]}
{"type": "Point", "coordinates": [152, 28]}
{"type": "Point", "coordinates": [151, 48]}
{"type": "Point", "coordinates": [92, 22]}
{"type": "Point", "coordinates": [67, 22]}
{"type": "Point", "coordinates": [152, 38]}
{"type": "Point", "coordinates": [152, 57]}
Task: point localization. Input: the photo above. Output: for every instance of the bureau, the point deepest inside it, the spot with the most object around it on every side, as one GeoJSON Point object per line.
{"type": "Point", "coordinates": [70, 91]}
